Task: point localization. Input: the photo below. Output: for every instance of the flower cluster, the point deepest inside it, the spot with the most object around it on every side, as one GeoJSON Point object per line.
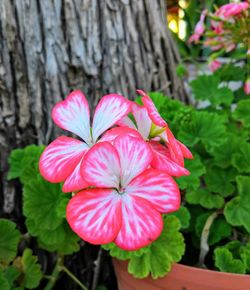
{"type": "Point", "coordinates": [229, 26]}
{"type": "Point", "coordinates": [121, 171]}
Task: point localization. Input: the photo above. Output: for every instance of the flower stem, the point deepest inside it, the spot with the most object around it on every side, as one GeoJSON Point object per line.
{"type": "Point", "coordinates": [73, 277]}
{"type": "Point", "coordinates": [204, 247]}
{"type": "Point", "coordinates": [55, 274]}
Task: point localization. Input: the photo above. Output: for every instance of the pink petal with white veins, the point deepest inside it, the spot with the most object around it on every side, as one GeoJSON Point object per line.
{"type": "Point", "coordinates": [75, 181]}
{"type": "Point", "coordinates": [95, 215]}
{"type": "Point", "coordinates": [141, 223]}
{"type": "Point", "coordinates": [158, 188]}
{"type": "Point", "coordinates": [109, 111]}
{"type": "Point", "coordinates": [112, 134]}
{"type": "Point", "coordinates": [73, 114]}
{"type": "Point", "coordinates": [152, 111]}
{"type": "Point", "coordinates": [174, 148]}
{"type": "Point", "coordinates": [101, 166]}
{"type": "Point", "coordinates": [126, 122]}
{"type": "Point", "coordinates": [185, 151]}
{"type": "Point", "coordinates": [61, 157]}
{"type": "Point", "coordinates": [135, 156]}
{"type": "Point", "coordinates": [143, 120]}
{"type": "Point", "coordinates": [162, 161]}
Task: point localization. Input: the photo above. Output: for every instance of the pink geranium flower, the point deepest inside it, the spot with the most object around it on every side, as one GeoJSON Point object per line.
{"type": "Point", "coordinates": [214, 65]}
{"type": "Point", "coordinates": [247, 87]}
{"type": "Point", "coordinates": [61, 160]}
{"type": "Point", "coordinates": [199, 28]}
{"type": "Point", "coordinates": [232, 9]}
{"type": "Point", "coordinates": [126, 205]}
{"type": "Point", "coordinates": [168, 156]}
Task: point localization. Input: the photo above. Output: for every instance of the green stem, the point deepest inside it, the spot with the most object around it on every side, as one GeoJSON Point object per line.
{"type": "Point", "coordinates": [204, 247]}
{"type": "Point", "coordinates": [55, 274]}
{"type": "Point", "coordinates": [73, 277]}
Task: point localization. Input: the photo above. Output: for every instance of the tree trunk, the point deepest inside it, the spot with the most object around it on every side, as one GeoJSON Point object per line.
{"type": "Point", "coordinates": [50, 47]}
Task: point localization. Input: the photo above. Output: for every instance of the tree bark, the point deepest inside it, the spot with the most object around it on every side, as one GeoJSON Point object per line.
{"type": "Point", "coordinates": [50, 47]}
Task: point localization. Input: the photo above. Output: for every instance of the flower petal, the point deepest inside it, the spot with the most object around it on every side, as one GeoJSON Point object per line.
{"type": "Point", "coordinates": [158, 188]}
{"type": "Point", "coordinates": [135, 156]}
{"type": "Point", "coordinates": [101, 166]}
{"type": "Point", "coordinates": [185, 151]}
{"type": "Point", "coordinates": [73, 114]}
{"type": "Point", "coordinates": [174, 148]}
{"type": "Point", "coordinates": [152, 111]}
{"type": "Point", "coordinates": [162, 161]}
{"type": "Point", "coordinates": [95, 215]}
{"type": "Point", "coordinates": [126, 122]}
{"type": "Point", "coordinates": [75, 180]}
{"type": "Point", "coordinates": [109, 111]}
{"type": "Point", "coordinates": [61, 157]}
{"type": "Point", "coordinates": [143, 120]}
{"type": "Point", "coordinates": [112, 134]}
{"type": "Point", "coordinates": [141, 223]}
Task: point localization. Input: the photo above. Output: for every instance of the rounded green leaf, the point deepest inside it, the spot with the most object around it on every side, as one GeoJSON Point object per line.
{"type": "Point", "coordinates": [206, 87]}
{"type": "Point", "coordinates": [167, 249]}
{"type": "Point", "coordinates": [242, 112]}
{"type": "Point", "coordinates": [31, 270]}
{"type": "Point", "coordinates": [9, 240]}
{"type": "Point", "coordinates": [197, 169]}
{"type": "Point", "coordinates": [4, 284]}
{"type": "Point", "coordinates": [225, 261]}
{"type": "Point", "coordinates": [241, 159]}
{"type": "Point", "coordinates": [41, 199]}
{"type": "Point", "coordinates": [204, 127]}
{"type": "Point", "coordinates": [24, 163]}
{"type": "Point", "coordinates": [205, 198]}
{"type": "Point", "coordinates": [219, 180]}
{"type": "Point", "coordinates": [183, 216]}
{"type": "Point", "coordinates": [237, 210]}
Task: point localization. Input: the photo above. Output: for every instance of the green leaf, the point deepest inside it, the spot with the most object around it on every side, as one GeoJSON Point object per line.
{"type": "Point", "coordinates": [223, 154]}
{"type": "Point", "coordinates": [24, 162]}
{"type": "Point", "coordinates": [204, 127]}
{"type": "Point", "coordinates": [4, 284]}
{"type": "Point", "coordinates": [237, 210]}
{"type": "Point", "coordinates": [183, 216]}
{"type": "Point", "coordinates": [181, 71]}
{"type": "Point", "coordinates": [197, 169]}
{"type": "Point", "coordinates": [123, 255]}
{"type": "Point", "coordinates": [241, 160]}
{"type": "Point", "coordinates": [66, 243]}
{"type": "Point", "coordinates": [225, 261]}
{"type": "Point", "coordinates": [205, 198]}
{"type": "Point", "coordinates": [168, 248]}
{"type": "Point", "coordinates": [242, 112]}
{"type": "Point", "coordinates": [12, 273]}
{"type": "Point", "coordinates": [229, 72]}
{"type": "Point", "coordinates": [206, 87]}
{"type": "Point", "coordinates": [219, 180]}
{"type": "Point", "coordinates": [9, 240]}
{"type": "Point", "coordinates": [31, 270]}
{"type": "Point", "coordinates": [219, 230]}
{"type": "Point", "coordinates": [244, 252]}
{"type": "Point", "coordinates": [41, 199]}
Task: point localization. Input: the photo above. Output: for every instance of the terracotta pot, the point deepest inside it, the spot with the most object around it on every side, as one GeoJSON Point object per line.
{"type": "Point", "coordinates": [182, 278]}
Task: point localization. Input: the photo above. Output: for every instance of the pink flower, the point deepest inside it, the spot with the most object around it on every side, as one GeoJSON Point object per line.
{"type": "Point", "coordinates": [126, 205]}
{"type": "Point", "coordinates": [168, 157]}
{"type": "Point", "coordinates": [61, 160]}
{"type": "Point", "coordinates": [214, 65]}
{"type": "Point", "coordinates": [247, 87]}
{"type": "Point", "coordinates": [199, 28]}
{"type": "Point", "coordinates": [232, 9]}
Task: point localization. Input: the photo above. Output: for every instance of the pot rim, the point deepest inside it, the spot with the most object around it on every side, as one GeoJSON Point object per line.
{"type": "Point", "coordinates": [177, 267]}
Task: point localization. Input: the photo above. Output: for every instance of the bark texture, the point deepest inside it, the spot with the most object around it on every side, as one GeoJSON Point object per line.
{"type": "Point", "coordinates": [50, 47]}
